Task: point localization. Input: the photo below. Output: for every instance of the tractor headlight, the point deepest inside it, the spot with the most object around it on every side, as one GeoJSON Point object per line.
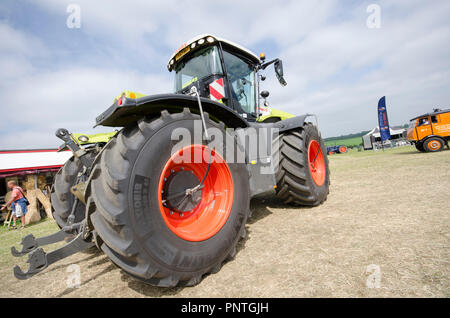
{"type": "Point", "coordinates": [201, 41]}
{"type": "Point", "coordinates": [83, 138]}
{"type": "Point", "coordinates": [193, 45]}
{"type": "Point", "coordinates": [210, 39]}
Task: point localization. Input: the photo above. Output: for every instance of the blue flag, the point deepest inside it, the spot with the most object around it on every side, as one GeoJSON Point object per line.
{"type": "Point", "coordinates": [383, 119]}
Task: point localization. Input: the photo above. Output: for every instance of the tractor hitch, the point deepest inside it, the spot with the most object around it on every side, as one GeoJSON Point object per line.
{"type": "Point", "coordinates": [78, 236]}
{"type": "Point", "coordinates": [30, 243]}
{"type": "Point", "coordinates": [40, 260]}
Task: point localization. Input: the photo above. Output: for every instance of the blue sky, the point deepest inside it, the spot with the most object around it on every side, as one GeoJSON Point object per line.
{"type": "Point", "coordinates": [335, 66]}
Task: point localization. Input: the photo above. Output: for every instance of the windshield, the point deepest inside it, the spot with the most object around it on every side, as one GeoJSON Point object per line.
{"type": "Point", "coordinates": [203, 63]}
{"type": "Point", "coordinates": [412, 123]}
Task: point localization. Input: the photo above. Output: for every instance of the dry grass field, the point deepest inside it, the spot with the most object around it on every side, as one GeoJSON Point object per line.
{"type": "Point", "coordinates": [388, 210]}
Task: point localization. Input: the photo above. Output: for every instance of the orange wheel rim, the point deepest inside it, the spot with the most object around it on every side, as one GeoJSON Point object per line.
{"type": "Point", "coordinates": [205, 214]}
{"type": "Point", "coordinates": [342, 149]}
{"type": "Point", "coordinates": [316, 163]}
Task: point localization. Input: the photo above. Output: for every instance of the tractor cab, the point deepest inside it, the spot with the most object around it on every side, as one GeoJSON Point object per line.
{"type": "Point", "coordinates": [421, 126]}
{"type": "Point", "coordinates": [431, 131]}
{"type": "Point", "coordinates": [223, 72]}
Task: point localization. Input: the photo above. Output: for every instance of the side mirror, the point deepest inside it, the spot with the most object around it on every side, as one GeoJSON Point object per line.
{"type": "Point", "coordinates": [264, 94]}
{"type": "Point", "coordinates": [279, 72]}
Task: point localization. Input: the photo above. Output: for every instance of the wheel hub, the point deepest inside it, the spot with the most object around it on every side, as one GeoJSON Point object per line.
{"type": "Point", "coordinates": [176, 191]}
{"type": "Point", "coordinates": [434, 145]}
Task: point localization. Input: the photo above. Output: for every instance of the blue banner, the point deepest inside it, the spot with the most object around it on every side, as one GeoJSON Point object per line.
{"type": "Point", "coordinates": [383, 121]}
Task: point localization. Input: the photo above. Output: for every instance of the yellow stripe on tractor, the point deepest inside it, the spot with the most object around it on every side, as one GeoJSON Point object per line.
{"type": "Point", "coordinates": [129, 94]}
{"type": "Point", "coordinates": [195, 79]}
{"type": "Point", "coordinates": [84, 139]}
{"type": "Point", "coordinates": [275, 113]}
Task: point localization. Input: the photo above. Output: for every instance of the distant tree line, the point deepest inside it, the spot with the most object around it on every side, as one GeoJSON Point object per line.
{"type": "Point", "coordinates": [362, 133]}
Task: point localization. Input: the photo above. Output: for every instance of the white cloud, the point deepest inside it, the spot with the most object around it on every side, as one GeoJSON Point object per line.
{"type": "Point", "coordinates": [70, 98]}
{"type": "Point", "coordinates": [16, 42]}
{"type": "Point", "coordinates": [16, 50]}
{"type": "Point", "coordinates": [340, 70]}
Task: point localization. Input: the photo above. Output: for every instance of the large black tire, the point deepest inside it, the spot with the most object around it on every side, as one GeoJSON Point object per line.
{"type": "Point", "coordinates": [433, 144]}
{"type": "Point", "coordinates": [61, 197]}
{"type": "Point", "coordinates": [124, 209]}
{"type": "Point", "coordinates": [419, 146]}
{"type": "Point", "coordinates": [295, 184]}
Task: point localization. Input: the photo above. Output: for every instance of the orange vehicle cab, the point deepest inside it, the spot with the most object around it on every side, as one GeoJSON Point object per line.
{"type": "Point", "coordinates": [430, 132]}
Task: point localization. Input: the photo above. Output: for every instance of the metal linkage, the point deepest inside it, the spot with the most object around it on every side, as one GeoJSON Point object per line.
{"type": "Point", "coordinates": [199, 186]}
{"type": "Point", "coordinates": [30, 243]}
{"type": "Point", "coordinates": [189, 192]}
{"type": "Point", "coordinates": [194, 91]}
{"type": "Point", "coordinates": [40, 260]}
{"type": "Point", "coordinates": [69, 142]}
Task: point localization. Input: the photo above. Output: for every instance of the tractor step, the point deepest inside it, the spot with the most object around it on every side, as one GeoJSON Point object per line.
{"type": "Point", "coordinates": [40, 260]}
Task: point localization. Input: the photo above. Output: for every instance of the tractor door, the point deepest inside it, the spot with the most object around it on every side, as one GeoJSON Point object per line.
{"type": "Point", "coordinates": [423, 127]}
{"type": "Point", "coordinates": [440, 126]}
{"type": "Point", "coordinates": [241, 77]}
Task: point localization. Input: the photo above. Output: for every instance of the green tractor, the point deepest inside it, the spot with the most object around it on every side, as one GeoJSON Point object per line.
{"type": "Point", "coordinates": [167, 197]}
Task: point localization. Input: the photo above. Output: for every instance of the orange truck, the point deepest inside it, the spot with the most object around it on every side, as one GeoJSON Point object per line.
{"type": "Point", "coordinates": [430, 132]}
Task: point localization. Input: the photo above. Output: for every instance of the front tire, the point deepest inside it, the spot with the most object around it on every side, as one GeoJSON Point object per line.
{"type": "Point", "coordinates": [303, 176]}
{"type": "Point", "coordinates": [138, 233]}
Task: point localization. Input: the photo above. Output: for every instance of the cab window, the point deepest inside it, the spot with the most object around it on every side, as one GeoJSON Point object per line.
{"type": "Point", "coordinates": [423, 122]}
{"type": "Point", "coordinates": [434, 119]}
{"type": "Point", "coordinates": [242, 79]}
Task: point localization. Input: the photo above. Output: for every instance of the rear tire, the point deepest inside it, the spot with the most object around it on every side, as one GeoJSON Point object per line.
{"type": "Point", "coordinates": [126, 209]}
{"type": "Point", "coordinates": [295, 179]}
{"type": "Point", "coordinates": [433, 144]}
{"type": "Point", "coordinates": [61, 197]}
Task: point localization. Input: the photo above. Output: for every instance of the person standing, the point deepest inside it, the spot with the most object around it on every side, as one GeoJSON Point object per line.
{"type": "Point", "coordinates": [18, 203]}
